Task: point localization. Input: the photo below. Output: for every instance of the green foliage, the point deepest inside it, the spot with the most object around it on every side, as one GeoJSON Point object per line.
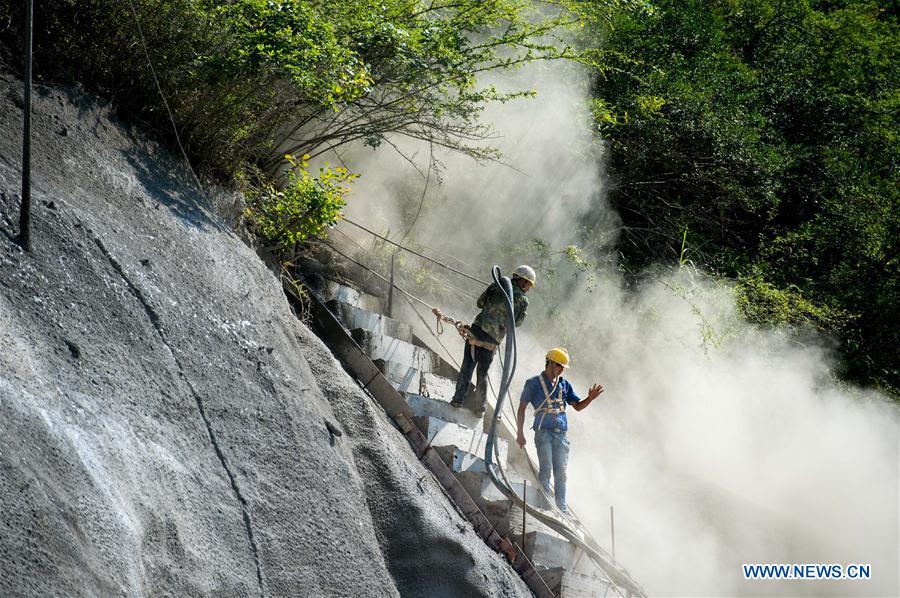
{"type": "Point", "coordinates": [763, 303]}
{"type": "Point", "coordinates": [251, 80]}
{"type": "Point", "coordinates": [305, 206]}
{"type": "Point", "coordinates": [424, 60]}
{"type": "Point", "coordinates": [556, 264]}
{"type": "Point", "coordinates": [289, 41]}
{"type": "Point", "coordinates": [769, 131]}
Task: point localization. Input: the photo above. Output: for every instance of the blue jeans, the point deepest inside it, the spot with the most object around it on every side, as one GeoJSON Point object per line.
{"type": "Point", "coordinates": [553, 453]}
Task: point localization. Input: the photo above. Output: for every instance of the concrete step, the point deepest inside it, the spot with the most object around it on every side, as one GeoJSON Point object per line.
{"type": "Point", "coordinates": [480, 485]}
{"type": "Point", "coordinates": [335, 291]}
{"type": "Point", "coordinates": [512, 525]}
{"type": "Point", "coordinates": [572, 584]}
{"type": "Point", "coordinates": [408, 379]}
{"type": "Point", "coordinates": [436, 408]}
{"type": "Point", "coordinates": [387, 348]}
{"type": "Point", "coordinates": [550, 550]}
{"type": "Point", "coordinates": [439, 387]}
{"type": "Point", "coordinates": [418, 382]}
{"type": "Point", "coordinates": [534, 497]}
{"type": "Point", "coordinates": [405, 378]}
{"type": "Point", "coordinates": [493, 504]}
{"type": "Point", "coordinates": [441, 367]}
{"type": "Point", "coordinates": [499, 510]}
{"type": "Point", "coordinates": [459, 460]}
{"type": "Point", "coordinates": [353, 317]}
{"type": "Point", "coordinates": [468, 444]}
{"type": "Point", "coordinates": [506, 429]}
{"type": "Point", "coordinates": [465, 454]}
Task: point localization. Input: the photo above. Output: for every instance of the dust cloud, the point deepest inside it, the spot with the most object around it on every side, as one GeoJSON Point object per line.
{"type": "Point", "coordinates": [717, 443]}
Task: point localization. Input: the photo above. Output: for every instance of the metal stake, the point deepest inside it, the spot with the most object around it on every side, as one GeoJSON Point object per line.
{"type": "Point", "coordinates": [25, 210]}
{"type": "Point", "coordinates": [390, 303]}
{"type": "Point", "coordinates": [524, 509]}
{"type": "Point", "coordinates": [612, 528]}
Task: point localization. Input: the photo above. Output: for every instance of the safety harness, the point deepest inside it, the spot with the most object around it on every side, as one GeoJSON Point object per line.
{"type": "Point", "coordinates": [550, 405]}
{"type": "Point", "coordinates": [464, 331]}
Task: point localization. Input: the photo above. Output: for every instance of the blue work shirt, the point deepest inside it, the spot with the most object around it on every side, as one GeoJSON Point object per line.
{"type": "Point", "coordinates": [534, 394]}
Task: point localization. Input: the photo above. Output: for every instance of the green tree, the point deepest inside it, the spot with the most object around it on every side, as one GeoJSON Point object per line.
{"type": "Point", "coordinates": [248, 81]}
{"type": "Point", "coordinates": [768, 131]}
{"type": "Point", "coordinates": [305, 206]}
{"type": "Point", "coordinates": [251, 80]}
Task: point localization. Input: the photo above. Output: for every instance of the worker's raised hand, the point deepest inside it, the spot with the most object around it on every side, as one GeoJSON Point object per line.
{"type": "Point", "coordinates": [520, 440]}
{"type": "Point", "coordinates": [594, 392]}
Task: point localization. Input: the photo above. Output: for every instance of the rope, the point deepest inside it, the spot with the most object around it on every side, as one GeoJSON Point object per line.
{"type": "Point", "coordinates": [443, 282]}
{"type": "Point", "coordinates": [364, 267]}
{"type": "Point", "coordinates": [408, 250]}
{"type": "Point", "coordinates": [163, 97]}
{"type": "Point", "coordinates": [463, 329]}
{"type": "Point", "coordinates": [427, 327]}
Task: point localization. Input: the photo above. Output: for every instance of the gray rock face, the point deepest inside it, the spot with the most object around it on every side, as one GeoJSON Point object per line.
{"type": "Point", "coordinates": [168, 426]}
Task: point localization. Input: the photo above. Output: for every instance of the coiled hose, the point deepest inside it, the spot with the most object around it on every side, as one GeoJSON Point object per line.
{"type": "Point", "coordinates": [617, 577]}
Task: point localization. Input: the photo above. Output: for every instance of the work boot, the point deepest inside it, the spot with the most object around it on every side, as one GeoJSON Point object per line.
{"type": "Point", "coordinates": [457, 400]}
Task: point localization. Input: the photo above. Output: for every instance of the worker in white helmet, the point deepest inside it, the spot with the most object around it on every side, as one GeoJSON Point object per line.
{"type": "Point", "coordinates": [489, 329]}
{"type": "Point", "coordinates": [549, 393]}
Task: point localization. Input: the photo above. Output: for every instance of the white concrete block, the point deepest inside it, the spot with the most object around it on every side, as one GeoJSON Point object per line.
{"type": "Point", "coordinates": [512, 527]}
{"type": "Point", "coordinates": [345, 294]}
{"type": "Point", "coordinates": [444, 433]}
{"type": "Point", "coordinates": [438, 387]}
{"type": "Point", "coordinates": [476, 441]}
{"type": "Point", "coordinates": [462, 460]}
{"type": "Point", "coordinates": [404, 378]}
{"type": "Point", "coordinates": [429, 407]}
{"type": "Point", "coordinates": [570, 584]}
{"type": "Point", "coordinates": [533, 494]}
{"type": "Point", "coordinates": [550, 550]}
{"type": "Point", "coordinates": [399, 351]}
{"type": "Point", "coordinates": [373, 323]}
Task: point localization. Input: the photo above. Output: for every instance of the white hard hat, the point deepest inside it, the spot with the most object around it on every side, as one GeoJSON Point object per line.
{"type": "Point", "coordinates": [526, 272]}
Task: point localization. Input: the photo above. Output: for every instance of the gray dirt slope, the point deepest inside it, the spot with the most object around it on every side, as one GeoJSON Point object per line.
{"type": "Point", "coordinates": [162, 413]}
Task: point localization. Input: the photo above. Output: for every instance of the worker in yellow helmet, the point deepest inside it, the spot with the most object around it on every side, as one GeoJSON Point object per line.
{"type": "Point", "coordinates": [488, 330]}
{"type": "Point", "coordinates": [549, 393]}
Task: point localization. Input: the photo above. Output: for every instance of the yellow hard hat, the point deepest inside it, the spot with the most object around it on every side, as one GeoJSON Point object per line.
{"type": "Point", "coordinates": [559, 355]}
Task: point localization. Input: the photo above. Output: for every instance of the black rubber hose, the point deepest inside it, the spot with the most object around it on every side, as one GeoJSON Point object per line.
{"type": "Point", "coordinates": [508, 370]}
{"type": "Point", "coordinates": [600, 557]}
{"type": "Point", "coordinates": [509, 367]}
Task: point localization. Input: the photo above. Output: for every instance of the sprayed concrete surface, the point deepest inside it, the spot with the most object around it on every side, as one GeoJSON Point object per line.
{"type": "Point", "coordinates": [164, 414]}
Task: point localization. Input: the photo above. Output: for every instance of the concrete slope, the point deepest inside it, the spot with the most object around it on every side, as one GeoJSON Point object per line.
{"type": "Point", "coordinates": [165, 418]}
